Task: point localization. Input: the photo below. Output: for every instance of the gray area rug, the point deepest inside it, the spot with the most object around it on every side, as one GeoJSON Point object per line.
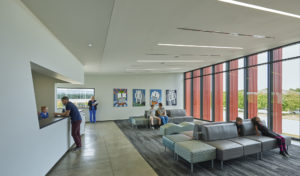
{"type": "Point", "coordinates": [149, 144]}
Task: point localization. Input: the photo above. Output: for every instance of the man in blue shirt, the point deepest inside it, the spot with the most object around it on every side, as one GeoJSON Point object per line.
{"type": "Point", "coordinates": [72, 111]}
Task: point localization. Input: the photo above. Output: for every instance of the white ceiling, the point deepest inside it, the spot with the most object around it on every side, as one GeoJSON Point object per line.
{"type": "Point", "coordinates": [124, 31]}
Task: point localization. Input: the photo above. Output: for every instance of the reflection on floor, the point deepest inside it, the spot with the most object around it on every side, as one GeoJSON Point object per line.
{"type": "Point", "coordinates": [106, 151]}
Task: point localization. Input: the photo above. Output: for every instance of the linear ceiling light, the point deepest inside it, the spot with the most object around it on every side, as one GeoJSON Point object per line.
{"type": "Point", "coordinates": [151, 69]}
{"type": "Point", "coordinates": [172, 61]}
{"type": "Point", "coordinates": [224, 33]}
{"type": "Point", "coordinates": [260, 8]}
{"type": "Point", "coordinates": [199, 46]}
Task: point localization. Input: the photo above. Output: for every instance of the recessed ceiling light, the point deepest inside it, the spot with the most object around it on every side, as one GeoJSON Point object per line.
{"type": "Point", "coordinates": [90, 45]}
{"type": "Point", "coordinates": [164, 61]}
{"type": "Point", "coordinates": [199, 46]}
{"type": "Point", "coordinates": [260, 8]}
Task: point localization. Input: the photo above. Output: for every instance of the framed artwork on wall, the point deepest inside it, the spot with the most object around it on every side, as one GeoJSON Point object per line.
{"type": "Point", "coordinates": [120, 98]}
{"type": "Point", "coordinates": [155, 96]}
{"type": "Point", "coordinates": [171, 97]}
{"type": "Point", "coordinates": [138, 97]}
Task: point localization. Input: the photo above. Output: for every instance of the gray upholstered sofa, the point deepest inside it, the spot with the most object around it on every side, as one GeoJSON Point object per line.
{"type": "Point", "coordinates": [175, 116]}
{"type": "Point", "coordinates": [224, 137]}
{"type": "Point", "coordinates": [178, 116]}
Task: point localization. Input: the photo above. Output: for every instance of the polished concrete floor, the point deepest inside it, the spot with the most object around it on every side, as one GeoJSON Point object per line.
{"type": "Point", "coordinates": [105, 151]}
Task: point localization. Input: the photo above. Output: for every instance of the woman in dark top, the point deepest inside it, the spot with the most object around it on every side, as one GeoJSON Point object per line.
{"type": "Point", "coordinates": [259, 126]}
{"type": "Point", "coordinates": [93, 108]}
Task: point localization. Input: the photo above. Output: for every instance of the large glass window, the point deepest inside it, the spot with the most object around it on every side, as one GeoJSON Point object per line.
{"type": "Point", "coordinates": [291, 98]}
{"type": "Point", "coordinates": [79, 97]}
{"type": "Point", "coordinates": [196, 94]}
{"type": "Point", "coordinates": [262, 87]}
{"type": "Point", "coordinates": [286, 91]}
{"type": "Point", "coordinates": [283, 71]}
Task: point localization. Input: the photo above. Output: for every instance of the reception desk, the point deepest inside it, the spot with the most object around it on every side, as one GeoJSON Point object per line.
{"type": "Point", "coordinates": [52, 120]}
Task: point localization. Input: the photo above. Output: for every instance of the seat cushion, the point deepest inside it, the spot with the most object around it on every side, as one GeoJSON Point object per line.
{"type": "Point", "coordinates": [195, 151]}
{"type": "Point", "coordinates": [188, 133]}
{"type": "Point", "coordinates": [170, 140]}
{"type": "Point", "coordinates": [267, 143]}
{"type": "Point", "coordinates": [250, 146]}
{"type": "Point", "coordinates": [226, 149]}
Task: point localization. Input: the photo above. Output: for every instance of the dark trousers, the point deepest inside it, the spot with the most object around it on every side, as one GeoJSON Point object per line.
{"type": "Point", "coordinates": [76, 132]}
{"type": "Point", "coordinates": [279, 138]}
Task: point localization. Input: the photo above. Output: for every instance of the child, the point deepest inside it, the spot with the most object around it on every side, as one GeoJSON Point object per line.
{"type": "Point", "coordinates": [267, 132]}
{"type": "Point", "coordinates": [239, 126]}
{"type": "Point", "coordinates": [44, 112]}
{"type": "Point", "coordinates": [152, 117]}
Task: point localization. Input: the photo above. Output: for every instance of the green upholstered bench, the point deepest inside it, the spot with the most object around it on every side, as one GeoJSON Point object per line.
{"type": "Point", "coordinates": [170, 140]}
{"type": "Point", "coordinates": [138, 121]}
{"type": "Point", "coordinates": [169, 128]}
{"type": "Point", "coordinates": [195, 151]}
{"type": "Point", "coordinates": [187, 126]}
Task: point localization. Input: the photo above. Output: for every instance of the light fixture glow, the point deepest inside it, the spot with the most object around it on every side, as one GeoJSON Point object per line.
{"type": "Point", "coordinates": [199, 46]}
{"type": "Point", "coordinates": [260, 8]}
{"type": "Point", "coordinates": [90, 45]}
{"type": "Point", "coordinates": [169, 61]}
{"type": "Point", "coordinates": [151, 69]}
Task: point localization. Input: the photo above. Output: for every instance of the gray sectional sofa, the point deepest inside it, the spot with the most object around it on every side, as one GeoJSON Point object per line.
{"type": "Point", "coordinates": [178, 116]}
{"type": "Point", "coordinates": [224, 137]}
{"type": "Point", "coordinates": [175, 116]}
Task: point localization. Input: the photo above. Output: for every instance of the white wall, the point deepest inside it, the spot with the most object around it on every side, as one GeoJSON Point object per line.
{"type": "Point", "coordinates": [25, 148]}
{"type": "Point", "coordinates": [44, 89]}
{"type": "Point", "coordinates": [104, 85]}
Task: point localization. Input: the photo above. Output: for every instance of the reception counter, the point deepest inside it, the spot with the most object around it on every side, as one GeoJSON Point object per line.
{"type": "Point", "coordinates": [50, 120]}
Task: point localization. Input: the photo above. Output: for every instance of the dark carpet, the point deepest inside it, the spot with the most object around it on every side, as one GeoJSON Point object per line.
{"type": "Point", "coordinates": [149, 144]}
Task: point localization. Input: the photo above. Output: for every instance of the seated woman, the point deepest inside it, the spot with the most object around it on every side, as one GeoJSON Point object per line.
{"type": "Point", "coordinates": [239, 126]}
{"type": "Point", "coordinates": [44, 112]}
{"type": "Point", "coordinates": [259, 126]}
{"type": "Point", "coordinates": [153, 116]}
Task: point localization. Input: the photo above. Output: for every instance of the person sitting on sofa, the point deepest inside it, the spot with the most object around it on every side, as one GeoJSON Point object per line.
{"type": "Point", "coordinates": [239, 126]}
{"type": "Point", "coordinates": [161, 111]}
{"type": "Point", "coordinates": [153, 116]}
{"type": "Point", "coordinates": [259, 126]}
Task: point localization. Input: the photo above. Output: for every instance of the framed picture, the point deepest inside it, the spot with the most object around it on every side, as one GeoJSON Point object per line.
{"type": "Point", "coordinates": [171, 97]}
{"type": "Point", "coordinates": [138, 97]}
{"type": "Point", "coordinates": [120, 98]}
{"type": "Point", "coordinates": [155, 96]}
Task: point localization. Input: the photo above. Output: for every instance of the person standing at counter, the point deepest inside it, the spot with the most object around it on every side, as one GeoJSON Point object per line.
{"type": "Point", "coordinates": [72, 111]}
{"type": "Point", "coordinates": [92, 108]}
